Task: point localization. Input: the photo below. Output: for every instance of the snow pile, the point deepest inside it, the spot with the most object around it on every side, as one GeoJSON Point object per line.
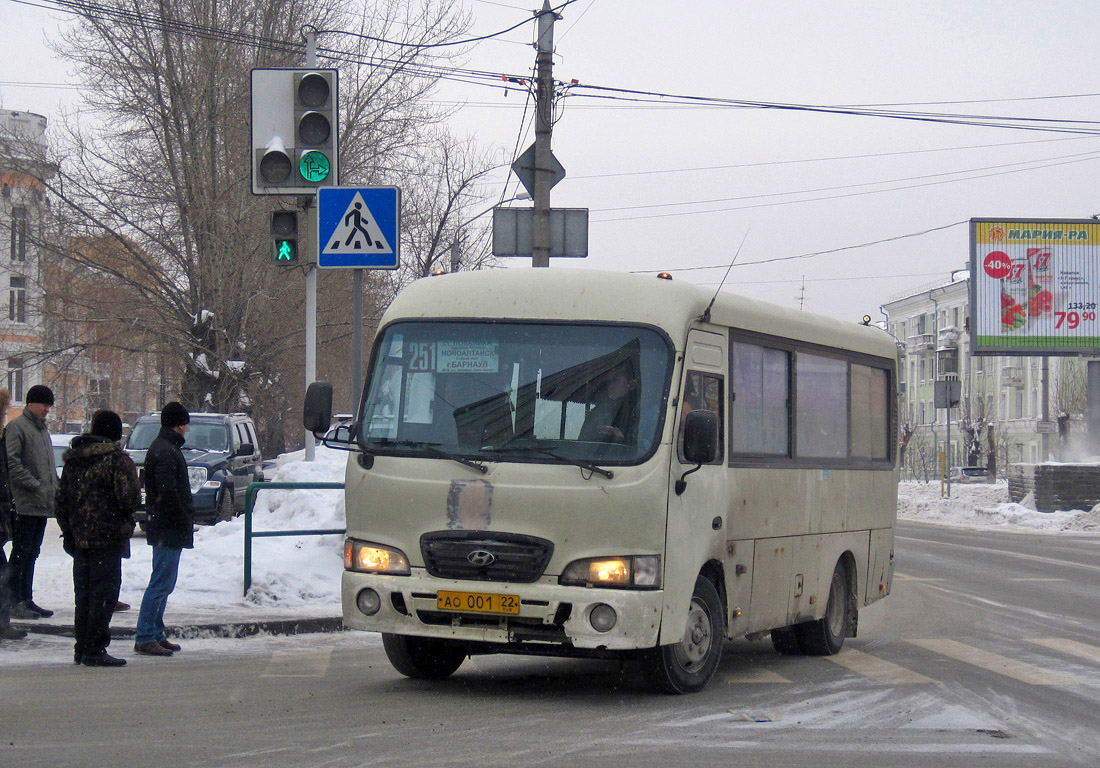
{"type": "Point", "coordinates": [292, 576]}
{"type": "Point", "coordinates": [981, 505]}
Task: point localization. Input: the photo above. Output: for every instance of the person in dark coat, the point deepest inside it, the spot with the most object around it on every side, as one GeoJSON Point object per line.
{"type": "Point", "coordinates": [33, 478]}
{"type": "Point", "coordinates": [170, 528]}
{"type": "Point", "coordinates": [96, 500]}
{"type": "Point", "coordinates": [7, 521]}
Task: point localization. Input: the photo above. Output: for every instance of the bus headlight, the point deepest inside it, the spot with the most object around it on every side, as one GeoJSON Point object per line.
{"type": "Point", "coordinates": [364, 557]}
{"type": "Point", "coordinates": [625, 572]}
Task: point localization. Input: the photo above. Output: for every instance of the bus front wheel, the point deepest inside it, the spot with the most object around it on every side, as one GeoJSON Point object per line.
{"type": "Point", "coordinates": [687, 666]}
{"type": "Point", "coordinates": [825, 636]}
{"type": "Point", "coordinates": [422, 658]}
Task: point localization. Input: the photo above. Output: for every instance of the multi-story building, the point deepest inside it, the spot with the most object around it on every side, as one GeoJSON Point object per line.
{"type": "Point", "coordinates": [53, 332]}
{"type": "Point", "coordinates": [932, 326]}
{"type": "Point", "coordinates": [23, 203]}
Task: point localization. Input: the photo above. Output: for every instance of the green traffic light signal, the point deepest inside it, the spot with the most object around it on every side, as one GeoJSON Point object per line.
{"type": "Point", "coordinates": [314, 165]}
{"type": "Point", "coordinates": [284, 237]}
{"type": "Point", "coordinates": [286, 251]}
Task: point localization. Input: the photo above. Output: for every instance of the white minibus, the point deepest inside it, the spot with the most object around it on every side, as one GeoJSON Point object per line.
{"type": "Point", "coordinates": [580, 463]}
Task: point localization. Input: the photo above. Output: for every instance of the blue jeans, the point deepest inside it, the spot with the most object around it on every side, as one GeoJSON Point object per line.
{"type": "Point", "coordinates": [150, 624]}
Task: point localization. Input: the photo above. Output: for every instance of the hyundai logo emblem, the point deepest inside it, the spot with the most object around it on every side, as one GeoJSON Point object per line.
{"type": "Point", "coordinates": [481, 558]}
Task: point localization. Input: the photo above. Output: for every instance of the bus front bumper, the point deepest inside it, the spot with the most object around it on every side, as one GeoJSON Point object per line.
{"type": "Point", "coordinates": [550, 617]}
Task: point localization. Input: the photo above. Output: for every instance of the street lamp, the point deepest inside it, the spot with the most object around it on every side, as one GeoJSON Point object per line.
{"type": "Point", "coordinates": [458, 230]}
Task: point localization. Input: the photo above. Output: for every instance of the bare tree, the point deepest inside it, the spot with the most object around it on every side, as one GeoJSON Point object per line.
{"type": "Point", "coordinates": [163, 172]}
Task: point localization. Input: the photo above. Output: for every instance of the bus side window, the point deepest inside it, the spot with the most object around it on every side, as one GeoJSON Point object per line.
{"type": "Point", "coordinates": [702, 391]}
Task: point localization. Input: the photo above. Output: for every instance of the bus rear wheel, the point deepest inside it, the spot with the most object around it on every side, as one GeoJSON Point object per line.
{"type": "Point", "coordinates": [687, 666]}
{"type": "Point", "coordinates": [825, 636]}
{"type": "Point", "coordinates": [422, 658]}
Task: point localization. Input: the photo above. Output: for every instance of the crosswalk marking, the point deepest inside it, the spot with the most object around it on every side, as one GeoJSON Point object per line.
{"type": "Point", "coordinates": [903, 577]}
{"type": "Point", "coordinates": [992, 662]}
{"type": "Point", "coordinates": [310, 663]}
{"type": "Point", "coordinates": [1072, 647]}
{"type": "Point", "coordinates": [1035, 579]}
{"type": "Point", "coordinates": [755, 676]}
{"type": "Point", "coordinates": [877, 669]}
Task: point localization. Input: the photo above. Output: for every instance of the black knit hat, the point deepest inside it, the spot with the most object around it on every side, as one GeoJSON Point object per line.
{"type": "Point", "coordinates": [40, 393]}
{"type": "Point", "coordinates": [107, 424]}
{"type": "Point", "coordinates": [174, 415]}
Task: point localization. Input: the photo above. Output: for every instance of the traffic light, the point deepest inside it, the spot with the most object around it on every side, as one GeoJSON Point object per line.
{"type": "Point", "coordinates": [294, 131]}
{"type": "Point", "coordinates": [314, 99]}
{"type": "Point", "coordinates": [284, 237]}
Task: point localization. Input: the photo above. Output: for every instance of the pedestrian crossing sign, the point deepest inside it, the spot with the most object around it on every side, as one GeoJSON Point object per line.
{"type": "Point", "coordinates": [358, 227]}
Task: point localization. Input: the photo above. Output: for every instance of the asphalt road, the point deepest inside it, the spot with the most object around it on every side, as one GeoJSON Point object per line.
{"type": "Point", "coordinates": [987, 653]}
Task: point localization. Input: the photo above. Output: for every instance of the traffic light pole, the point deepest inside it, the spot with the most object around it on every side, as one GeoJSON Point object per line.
{"type": "Point", "coordinates": [310, 217]}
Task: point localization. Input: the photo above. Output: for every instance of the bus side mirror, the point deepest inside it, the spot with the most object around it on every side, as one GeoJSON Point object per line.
{"type": "Point", "coordinates": [317, 414]}
{"type": "Point", "coordinates": [701, 437]}
{"type": "Point", "coordinates": [700, 443]}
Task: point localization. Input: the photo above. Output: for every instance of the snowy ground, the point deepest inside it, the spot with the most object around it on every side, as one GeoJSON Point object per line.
{"type": "Point", "coordinates": [292, 577]}
{"type": "Point", "coordinates": [298, 577]}
{"type": "Point", "coordinates": [986, 506]}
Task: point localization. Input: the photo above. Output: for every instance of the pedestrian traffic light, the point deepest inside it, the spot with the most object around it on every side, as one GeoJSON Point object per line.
{"type": "Point", "coordinates": [284, 237]}
{"type": "Point", "coordinates": [294, 130]}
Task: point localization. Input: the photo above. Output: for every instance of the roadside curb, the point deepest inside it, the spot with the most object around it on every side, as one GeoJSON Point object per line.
{"type": "Point", "coordinates": [218, 629]}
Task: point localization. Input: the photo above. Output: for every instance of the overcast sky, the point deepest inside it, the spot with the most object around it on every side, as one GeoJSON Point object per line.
{"type": "Point", "coordinates": [673, 187]}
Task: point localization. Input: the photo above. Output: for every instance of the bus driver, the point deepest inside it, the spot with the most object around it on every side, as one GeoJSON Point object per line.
{"type": "Point", "coordinates": [614, 415]}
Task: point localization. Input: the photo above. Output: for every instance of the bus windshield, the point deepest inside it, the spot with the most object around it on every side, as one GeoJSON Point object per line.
{"type": "Point", "coordinates": [539, 392]}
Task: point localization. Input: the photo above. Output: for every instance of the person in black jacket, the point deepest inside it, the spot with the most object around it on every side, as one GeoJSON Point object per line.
{"type": "Point", "coordinates": [95, 507]}
{"type": "Point", "coordinates": [170, 528]}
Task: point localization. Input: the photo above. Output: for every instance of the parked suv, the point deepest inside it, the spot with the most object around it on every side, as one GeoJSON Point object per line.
{"type": "Point", "coordinates": [223, 457]}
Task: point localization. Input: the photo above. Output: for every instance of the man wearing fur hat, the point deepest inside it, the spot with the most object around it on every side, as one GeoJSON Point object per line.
{"type": "Point", "coordinates": [96, 499]}
{"type": "Point", "coordinates": [170, 528]}
{"type": "Point", "coordinates": [33, 478]}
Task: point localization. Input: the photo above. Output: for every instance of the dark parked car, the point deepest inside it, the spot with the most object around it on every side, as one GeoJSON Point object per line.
{"type": "Point", "coordinates": [223, 457]}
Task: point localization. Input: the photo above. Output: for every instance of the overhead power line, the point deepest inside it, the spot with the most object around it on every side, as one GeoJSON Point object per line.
{"type": "Point", "coordinates": [985, 121]}
{"type": "Point", "coordinates": [1094, 156]}
{"type": "Point", "coordinates": [1043, 163]}
{"type": "Point", "coordinates": [813, 254]}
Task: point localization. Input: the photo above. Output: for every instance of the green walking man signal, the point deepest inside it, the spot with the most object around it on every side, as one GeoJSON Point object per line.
{"type": "Point", "coordinates": [284, 237]}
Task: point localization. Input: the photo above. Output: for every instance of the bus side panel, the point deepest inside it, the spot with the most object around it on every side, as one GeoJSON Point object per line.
{"type": "Point", "coordinates": [815, 558]}
{"type": "Point", "coordinates": [880, 572]}
{"type": "Point", "coordinates": [805, 580]}
{"type": "Point", "coordinates": [827, 508]}
{"type": "Point", "coordinates": [739, 575]}
{"type": "Point", "coordinates": [771, 583]}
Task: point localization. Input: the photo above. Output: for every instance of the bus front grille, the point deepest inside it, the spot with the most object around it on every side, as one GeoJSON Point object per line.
{"type": "Point", "coordinates": [485, 555]}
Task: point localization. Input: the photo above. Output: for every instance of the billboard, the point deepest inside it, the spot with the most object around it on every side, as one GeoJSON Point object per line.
{"type": "Point", "coordinates": [1034, 286]}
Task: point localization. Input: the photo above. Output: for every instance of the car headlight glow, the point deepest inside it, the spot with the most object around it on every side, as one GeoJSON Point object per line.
{"type": "Point", "coordinates": [364, 557]}
{"type": "Point", "coordinates": [196, 476]}
{"type": "Point", "coordinates": [623, 572]}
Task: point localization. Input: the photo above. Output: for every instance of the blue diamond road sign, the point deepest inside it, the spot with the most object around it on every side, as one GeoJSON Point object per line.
{"type": "Point", "coordinates": [358, 227]}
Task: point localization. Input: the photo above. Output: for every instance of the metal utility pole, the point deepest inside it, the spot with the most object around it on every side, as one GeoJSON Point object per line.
{"type": "Point", "coordinates": [357, 335]}
{"type": "Point", "coordinates": [544, 113]}
{"type": "Point", "coordinates": [1044, 439]}
{"type": "Point", "coordinates": [311, 267]}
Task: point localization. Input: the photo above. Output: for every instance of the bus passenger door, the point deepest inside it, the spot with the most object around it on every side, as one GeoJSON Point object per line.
{"type": "Point", "coordinates": [696, 518]}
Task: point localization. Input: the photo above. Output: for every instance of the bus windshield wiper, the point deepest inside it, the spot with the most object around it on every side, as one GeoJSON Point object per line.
{"type": "Point", "coordinates": [521, 448]}
{"type": "Point", "coordinates": [432, 448]}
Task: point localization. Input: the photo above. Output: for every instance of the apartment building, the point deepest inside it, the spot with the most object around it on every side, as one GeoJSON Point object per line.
{"type": "Point", "coordinates": [932, 326]}
{"type": "Point", "coordinates": [47, 337]}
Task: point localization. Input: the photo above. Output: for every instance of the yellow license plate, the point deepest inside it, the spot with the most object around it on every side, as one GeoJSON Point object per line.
{"type": "Point", "coordinates": [477, 602]}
